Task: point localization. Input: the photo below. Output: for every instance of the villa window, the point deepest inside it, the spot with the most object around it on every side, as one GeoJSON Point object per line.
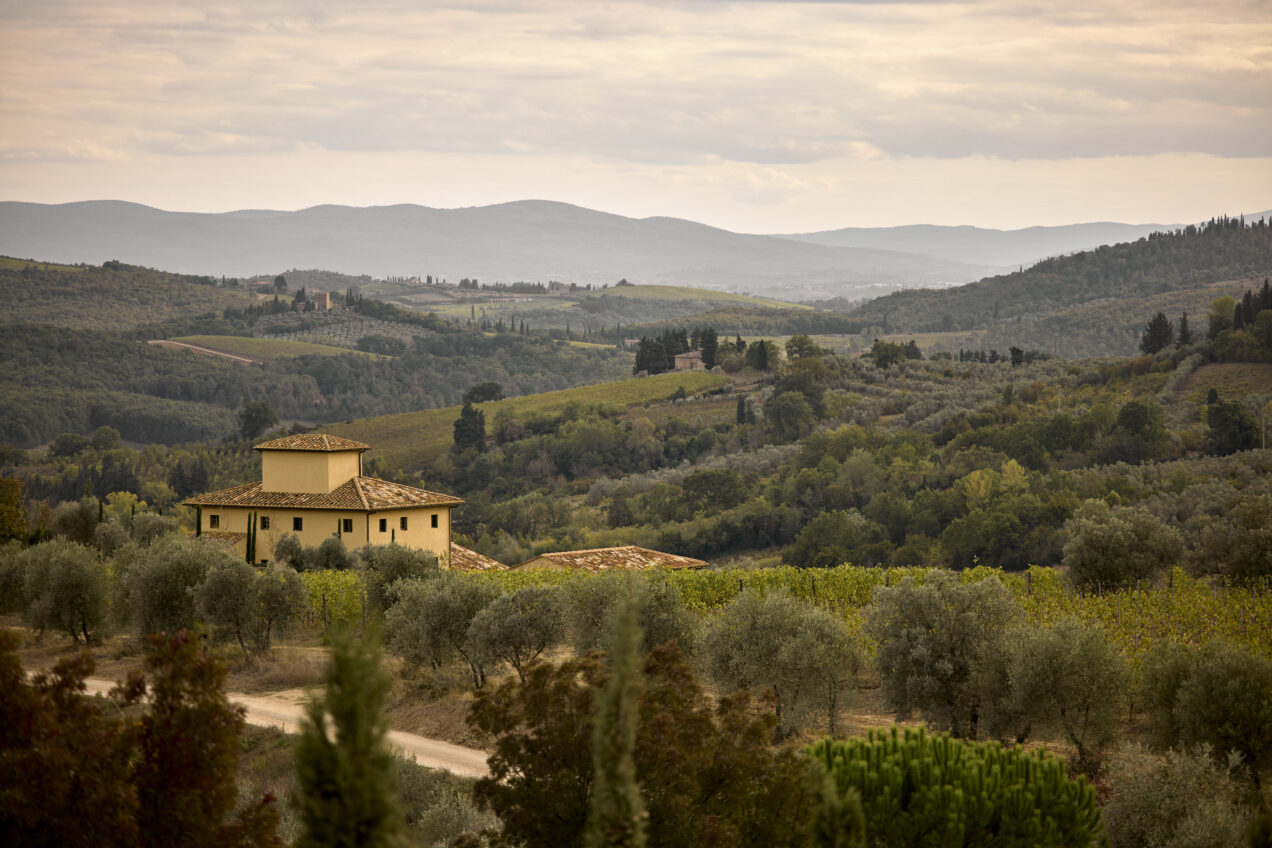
{"type": "Point", "coordinates": [403, 522]}
{"type": "Point", "coordinates": [384, 525]}
{"type": "Point", "coordinates": [346, 525]}
{"type": "Point", "coordinates": [214, 521]}
{"type": "Point", "coordinates": [298, 524]}
{"type": "Point", "coordinates": [264, 522]}
{"type": "Point", "coordinates": [434, 517]}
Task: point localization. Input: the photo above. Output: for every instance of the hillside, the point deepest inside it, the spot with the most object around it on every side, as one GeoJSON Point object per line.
{"type": "Point", "coordinates": [109, 296]}
{"type": "Point", "coordinates": [526, 240]}
{"type": "Point", "coordinates": [980, 246]}
{"type": "Point", "coordinates": [1092, 303]}
{"type": "Point", "coordinates": [410, 440]}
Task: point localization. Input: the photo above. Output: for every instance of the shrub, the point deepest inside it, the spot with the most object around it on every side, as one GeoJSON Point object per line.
{"type": "Point", "coordinates": [917, 789]}
{"type": "Point", "coordinates": [1180, 799]}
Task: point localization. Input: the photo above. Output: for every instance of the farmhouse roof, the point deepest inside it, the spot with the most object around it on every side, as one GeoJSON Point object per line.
{"type": "Point", "coordinates": [227, 536]}
{"type": "Point", "coordinates": [312, 442]}
{"type": "Point", "coordinates": [626, 558]}
{"type": "Point", "coordinates": [360, 494]}
{"type": "Point", "coordinates": [462, 559]}
{"type": "Point", "coordinates": [692, 354]}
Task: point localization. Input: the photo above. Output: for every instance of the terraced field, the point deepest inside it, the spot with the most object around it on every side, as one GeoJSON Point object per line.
{"type": "Point", "coordinates": [407, 439]}
{"type": "Point", "coordinates": [255, 348]}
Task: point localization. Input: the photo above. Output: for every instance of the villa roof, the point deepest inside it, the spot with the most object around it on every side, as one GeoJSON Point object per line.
{"type": "Point", "coordinates": [359, 494]}
{"type": "Point", "coordinates": [626, 558]}
{"type": "Point", "coordinates": [462, 559]}
{"type": "Point", "coordinates": [312, 442]}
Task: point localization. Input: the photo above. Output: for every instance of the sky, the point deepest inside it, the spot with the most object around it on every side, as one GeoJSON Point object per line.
{"type": "Point", "coordinates": [763, 117]}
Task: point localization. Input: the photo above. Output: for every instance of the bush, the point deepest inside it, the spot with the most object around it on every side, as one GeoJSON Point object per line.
{"type": "Point", "coordinates": [917, 789]}
{"type": "Point", "coordinates": [1177, 800]}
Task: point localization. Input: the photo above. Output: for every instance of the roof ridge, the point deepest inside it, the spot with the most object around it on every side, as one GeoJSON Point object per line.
{"type": "Point", "coordinates": [362, 496]}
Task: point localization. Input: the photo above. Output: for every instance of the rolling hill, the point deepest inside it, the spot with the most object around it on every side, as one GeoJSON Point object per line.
{"type": "Point", "coordinates": [527, 240]}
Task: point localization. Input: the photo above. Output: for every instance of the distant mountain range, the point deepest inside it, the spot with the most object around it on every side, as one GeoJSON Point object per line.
{"type": "Point", "coordinates": [533, 240]}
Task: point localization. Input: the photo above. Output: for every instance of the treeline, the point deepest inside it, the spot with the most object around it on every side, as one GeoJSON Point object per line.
{"type": "Point", "coordinates": [1222, 249]}
{"type": "Point", "coordinates": [737, 320]}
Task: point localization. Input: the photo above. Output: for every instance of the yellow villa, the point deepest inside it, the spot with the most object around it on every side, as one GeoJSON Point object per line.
{"type": "Point", "coordinates": [312, 485]}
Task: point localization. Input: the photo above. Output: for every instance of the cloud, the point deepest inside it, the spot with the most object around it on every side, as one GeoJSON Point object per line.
{"type": "Point", "coordinates": [755, 102]}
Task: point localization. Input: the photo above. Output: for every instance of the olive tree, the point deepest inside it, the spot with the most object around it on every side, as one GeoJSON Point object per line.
{"type": "Point", "coordinates": [227, 599]}
{"type": "Point", "coordinates": [159, 582]}
{"type": "Point", "coordinates": [931, 638]}
{"type": "Point", "coordinates": [280, 601]}
{"type": "Point", "coordinates": [592, 605]}
{"type": "Point", "coordinates": [517, 628]}
{"type": "Point", "coordinates": [427, 621]}
{"type": "Point", "coordinates": [1067, 678]}
{"type": "Point", "coordinates": [803, 654]}
{"type": "Point", "coordinates": [384, 565]}
{"type": "Point", "coordinates": [64, 589]}
{"type": "Point", "coordinates": [1112, 547]}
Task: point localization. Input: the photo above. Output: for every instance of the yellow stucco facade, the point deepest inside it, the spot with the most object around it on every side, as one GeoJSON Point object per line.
{"type": "Point", "coordinates": [312, 486]}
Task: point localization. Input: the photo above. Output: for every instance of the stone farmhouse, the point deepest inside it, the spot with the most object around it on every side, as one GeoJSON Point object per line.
{"type": "Point", "coordinates": [312, 485]}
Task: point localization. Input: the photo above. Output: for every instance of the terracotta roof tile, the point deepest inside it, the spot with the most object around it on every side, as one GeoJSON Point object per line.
{"type": "Point", "coordinates": [360, 494]}
{"type": "Point", "coordinates": [312, 442]}
{"type": "Point", "coordinates": [462, 559]}
{"type": "Point", "coordinates": [223, 535]}
{"type": "Point", "coordinates": [627, 558]}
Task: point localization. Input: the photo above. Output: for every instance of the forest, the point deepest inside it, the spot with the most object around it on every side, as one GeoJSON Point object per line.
{"type": "Point", "coordinates": [1089, 302]}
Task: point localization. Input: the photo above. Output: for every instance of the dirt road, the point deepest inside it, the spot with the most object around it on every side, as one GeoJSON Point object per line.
{"type": "Point", "coordinates": [284, 710]}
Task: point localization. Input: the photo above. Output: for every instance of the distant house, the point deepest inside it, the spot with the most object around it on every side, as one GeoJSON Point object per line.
{"type": "Point", "coordinates": [321, 299]}
{"type": "Point", "coordinates": [691, 361]}
{"type": "Point", "coordinates": [462, 559]}
{"type": "Point", "coordinates": [627, 558]}
{"type": "Point", "coordinates": [312, 485]}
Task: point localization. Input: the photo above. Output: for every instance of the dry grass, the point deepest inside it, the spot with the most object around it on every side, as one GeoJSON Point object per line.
{"type": "Point", "coordinates": [285, 667]}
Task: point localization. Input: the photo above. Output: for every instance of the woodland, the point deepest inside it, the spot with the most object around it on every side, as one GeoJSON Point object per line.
{"type": "Point", "coordinates": [926, 567]}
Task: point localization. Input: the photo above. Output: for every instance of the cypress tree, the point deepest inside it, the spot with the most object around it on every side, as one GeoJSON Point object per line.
{"type": "Point", "coordinates": [616, 815]}
{"type": "Point", "coordinates": [347, 785]}
{"type": "Point", "coordinates": [1185, 336]}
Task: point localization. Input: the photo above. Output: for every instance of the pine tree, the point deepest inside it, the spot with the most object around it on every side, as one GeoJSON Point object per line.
{"type": "Point", "coordinates": [1159, 334]}
{"type": "Point", "coordinates": [346, 782]}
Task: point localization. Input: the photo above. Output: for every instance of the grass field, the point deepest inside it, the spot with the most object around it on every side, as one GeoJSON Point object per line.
{"type": "Point", "coordinates": [938, 341]}
{"type": "Point", "coordinates": [1232, 380]}
{"type": "Point", "coordinates": [686, 293]}
{"type": "Point", "coordinates": [268, 348]}
{"type": "Point", "coordinates": [405, 440]}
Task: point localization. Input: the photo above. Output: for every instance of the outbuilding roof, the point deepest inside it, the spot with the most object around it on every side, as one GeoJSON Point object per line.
{"type": "Point", "coordinates": [312, 442]}
{"type": "Point", "coordinates": [626, 558]}
{"type": "Point", "coordinates": [462, 559]}
{"type": "Point", "coordinates": [359, 494]}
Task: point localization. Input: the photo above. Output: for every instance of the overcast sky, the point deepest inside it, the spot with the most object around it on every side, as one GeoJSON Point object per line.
{"type": "Point", "coordinates": [753, 116]}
